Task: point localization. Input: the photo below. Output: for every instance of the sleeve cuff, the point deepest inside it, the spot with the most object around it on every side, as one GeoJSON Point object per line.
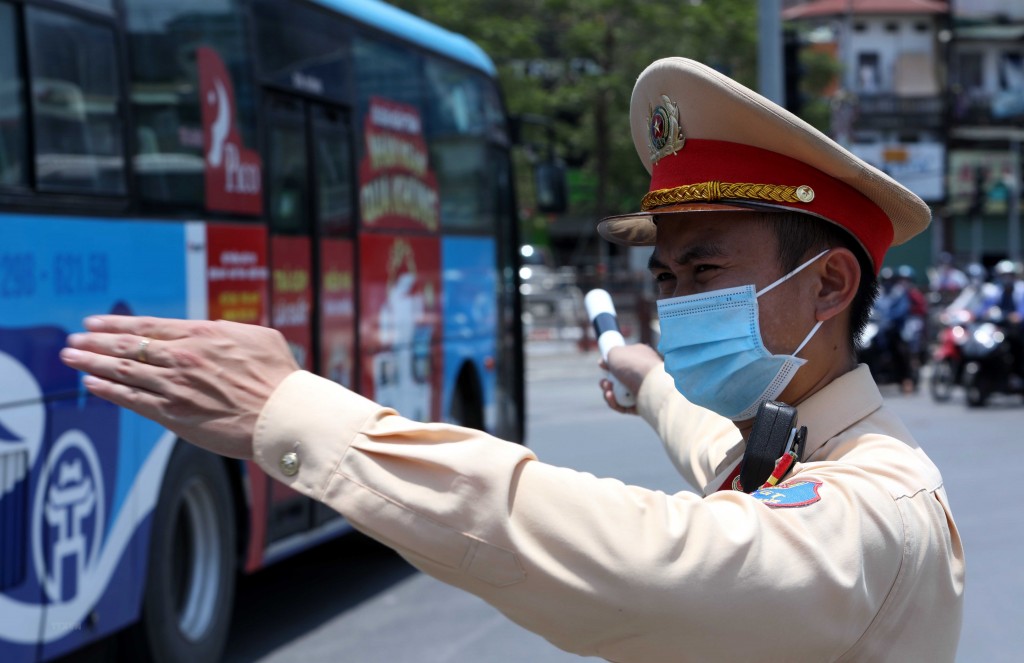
{"type": "Point", "coordinates": [656, 387]}
{"type": "Point", "coordinates": [305, 429]}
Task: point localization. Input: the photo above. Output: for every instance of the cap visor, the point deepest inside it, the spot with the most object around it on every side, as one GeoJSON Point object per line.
{"type": "Point", "coordinates": [639, 229]}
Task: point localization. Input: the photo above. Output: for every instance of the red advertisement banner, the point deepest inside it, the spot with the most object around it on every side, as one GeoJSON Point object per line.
{"type": "Point", "coordinates": [233, 172]}
{"type": "Point", "coordinates": [292, 295]}
{"type": "Point", "coordinates": [400, 323]}
{"type": "Point", "coordinates": [337, 311]}
{"type": "Point", "coordinates": [236, 273]}
{"type": "Point", "coordinates": [397, 188]}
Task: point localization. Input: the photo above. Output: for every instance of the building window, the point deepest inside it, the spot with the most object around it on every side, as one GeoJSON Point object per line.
{"type": "Point", "coordinates": [969, 72]}
{"type": "Point", "coordinates": [869, 75]}
{"type": "Point", "coordinates": [892, 27]}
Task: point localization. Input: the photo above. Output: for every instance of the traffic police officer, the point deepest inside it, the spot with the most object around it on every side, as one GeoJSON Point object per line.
{"type": "Point", "coordinates": [767, 237]}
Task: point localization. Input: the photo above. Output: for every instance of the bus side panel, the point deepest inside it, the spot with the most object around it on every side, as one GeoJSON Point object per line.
{"type": "Point", "coordinates": [400, 328]}
{"type": "Point", "coordinates": [94, 471]}
{"type": "Point", "coordinates": [470, 316]}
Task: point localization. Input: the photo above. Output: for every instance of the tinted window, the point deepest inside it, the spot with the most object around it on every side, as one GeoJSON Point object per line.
{"type": "Point", "coordinates": [386, 70]}
{"type": "Point", "coordinates": [77, 128]}
{"type": "Point", "coordinates": [464, 116]}
{"type": "Point", "coordinates": [302, 48]}
{"type": "Point", "coordinates": [100, 5]}
{"type": "Point", "coordinates": [333, 167]}
{"type": "Point", "coordinates": [13, 146]}
{"type": "Point", "coordinates": [288, 179]}
{"type": "Point", "coordinates": [165, 39]}
{"type": "Point", "coordinates": [397, 184]}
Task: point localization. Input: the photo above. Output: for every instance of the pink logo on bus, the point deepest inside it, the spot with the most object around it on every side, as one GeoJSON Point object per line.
{"type": "Point", "coordinates": [233, 172]}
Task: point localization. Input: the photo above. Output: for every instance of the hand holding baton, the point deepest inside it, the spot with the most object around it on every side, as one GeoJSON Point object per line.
{"type": "Point", "coordinates": [601, 311]}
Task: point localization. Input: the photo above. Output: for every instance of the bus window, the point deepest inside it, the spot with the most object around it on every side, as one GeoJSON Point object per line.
{"type": "Point", "coordinates": [288, 179]}
{"type": "Point", "coordinates": [457, 133]}
{"type": "Point", "coordinates": [333, 166]}
{"type": "Point", "coordinates": [75, 89]}
{"type": "Point", "coordinates": [106, 6]}
{"type": "Point", "coordinates": [302, 48]}
{"type": "Point", "coordinates": [13, 147]}
{"type": "Point", "coordinates": [164, 44]}
{"type": "Point", "coordinates": [387, 71]}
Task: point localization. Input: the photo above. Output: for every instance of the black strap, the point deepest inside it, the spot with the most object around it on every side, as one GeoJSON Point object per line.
{"type": "Point", "coordinates": [773, 427]}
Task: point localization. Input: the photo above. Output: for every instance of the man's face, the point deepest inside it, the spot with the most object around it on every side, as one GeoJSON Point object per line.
{"type": "Point", "coordinates": [696, 253]}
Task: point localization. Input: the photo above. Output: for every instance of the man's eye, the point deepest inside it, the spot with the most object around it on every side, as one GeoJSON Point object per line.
{"type": "Point", "coordinates": [698, 269]}
{"type": "Point", "coordinates": [661, 277]}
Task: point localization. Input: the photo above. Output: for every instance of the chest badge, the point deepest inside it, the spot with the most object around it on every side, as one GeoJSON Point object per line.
{"type": "Point", "coordinates": [789, 494]}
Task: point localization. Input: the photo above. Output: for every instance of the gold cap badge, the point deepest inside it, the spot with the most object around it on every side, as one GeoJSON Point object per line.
{"type": "Point", "coordinates": [664, 135]}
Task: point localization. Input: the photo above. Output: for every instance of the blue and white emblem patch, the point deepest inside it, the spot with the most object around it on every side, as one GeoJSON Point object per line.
{"type": "Point", "coordinates": [789, 494]}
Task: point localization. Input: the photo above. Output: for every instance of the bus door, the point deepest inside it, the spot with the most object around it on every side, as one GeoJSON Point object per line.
{"type": "Point", "coordinates": [310, 209]}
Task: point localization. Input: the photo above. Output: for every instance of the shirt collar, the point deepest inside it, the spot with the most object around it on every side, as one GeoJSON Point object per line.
{"type": "Point", "coordinates": [834, 408]}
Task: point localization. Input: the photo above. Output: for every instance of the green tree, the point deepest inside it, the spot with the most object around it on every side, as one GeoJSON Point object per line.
{"type": "Point", "coordinates": [575, 62]}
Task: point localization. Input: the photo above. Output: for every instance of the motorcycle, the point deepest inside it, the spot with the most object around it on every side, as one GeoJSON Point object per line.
{"type": "Point", "coordinates": [989, 362]}
{"type": "Point", "coordinates": [947, 357]}
{"type": "Point", "coordinates": [877, 347]}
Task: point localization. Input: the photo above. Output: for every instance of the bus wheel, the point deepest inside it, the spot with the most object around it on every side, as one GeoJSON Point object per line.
{"type": "Point", "coordinates": [190, 583]}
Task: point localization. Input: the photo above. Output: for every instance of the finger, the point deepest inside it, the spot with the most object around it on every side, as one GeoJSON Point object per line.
{"type": "Point", "coordinates": [124, 346]}
{"type": "Point", "coordinates": [609, 398]}
{"type": "Point", "coordinates": [128, 372]}
{"type": "Point", "coordinates": [161, 328]}
{"type": "Point", "coordinates": [137, 400]}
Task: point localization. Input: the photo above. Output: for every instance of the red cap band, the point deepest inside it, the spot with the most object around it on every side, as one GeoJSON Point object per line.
{"type": "Point", "coordinates": [701, 160]}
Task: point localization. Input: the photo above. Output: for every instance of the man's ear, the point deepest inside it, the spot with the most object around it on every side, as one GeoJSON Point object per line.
{"type": "Point", "coordinates": [839, 272]}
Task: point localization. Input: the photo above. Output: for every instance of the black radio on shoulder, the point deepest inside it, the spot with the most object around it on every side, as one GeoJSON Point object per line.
{"type": "Point", "coordinates": [775, 435]}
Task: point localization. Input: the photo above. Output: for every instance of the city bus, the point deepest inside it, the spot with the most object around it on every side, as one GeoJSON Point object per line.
{"type": "Point", "coordinates": [337, 169]}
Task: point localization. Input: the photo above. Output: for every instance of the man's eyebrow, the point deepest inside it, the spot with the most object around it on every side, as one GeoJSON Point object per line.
{"type": "Point", "coordinates": [701, 251]}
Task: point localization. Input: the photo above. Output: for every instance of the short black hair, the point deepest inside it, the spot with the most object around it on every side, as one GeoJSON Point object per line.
{"type": "Point", "coordinates": [800, 236]}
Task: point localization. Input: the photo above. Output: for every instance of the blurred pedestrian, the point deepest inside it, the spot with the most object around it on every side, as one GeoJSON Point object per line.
{"type": "Point", "coordinates": [946, 281]}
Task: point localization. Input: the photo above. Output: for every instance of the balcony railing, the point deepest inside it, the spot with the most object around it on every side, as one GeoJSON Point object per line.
{"type": "Point", "coordinates": [1005, 107]}
{"type": "Point", "coordinates": [889, 111]}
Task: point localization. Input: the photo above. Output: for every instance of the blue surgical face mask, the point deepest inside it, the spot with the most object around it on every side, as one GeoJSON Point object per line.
{"type": "Point", "coordinates": [713, 350]}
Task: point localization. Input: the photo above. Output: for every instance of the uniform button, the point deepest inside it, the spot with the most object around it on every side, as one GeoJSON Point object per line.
{"type": "Point", "coordinates": [289, 464]}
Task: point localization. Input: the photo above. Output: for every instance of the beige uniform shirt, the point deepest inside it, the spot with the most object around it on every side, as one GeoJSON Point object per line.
{"type": "Point", "coordinates": [856, 558]}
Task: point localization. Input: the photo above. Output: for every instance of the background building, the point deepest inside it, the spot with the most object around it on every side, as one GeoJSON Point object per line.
{"type": "Point", "coordinates": [932, 92]}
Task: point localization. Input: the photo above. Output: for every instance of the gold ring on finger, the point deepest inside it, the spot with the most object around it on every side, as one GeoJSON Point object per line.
{"type": "Point", "coordinates": [140, 354]}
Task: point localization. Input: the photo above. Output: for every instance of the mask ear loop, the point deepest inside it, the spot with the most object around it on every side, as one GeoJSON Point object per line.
{"type": "Point", "coordinates": [814, 330]}
{"type": "Point", "coordinates": [790, 275]}
{"type": "Point", "coordinates": [785, 278]}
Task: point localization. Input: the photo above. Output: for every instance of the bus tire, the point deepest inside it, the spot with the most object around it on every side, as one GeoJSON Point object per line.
{"type": "Point", "coordinates": [190, 581]}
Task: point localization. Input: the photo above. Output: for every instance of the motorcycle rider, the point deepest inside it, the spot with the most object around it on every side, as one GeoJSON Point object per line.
{"type": "Point", "coordinates": [946, 281]}
{"type": "Point", "coordinates": [912, 329]}
{"type": "Point", "coordinates": [1004, 304]}
{"type": "Point", "coordinates": [892, 311]}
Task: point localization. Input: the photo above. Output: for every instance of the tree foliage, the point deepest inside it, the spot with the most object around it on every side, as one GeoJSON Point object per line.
{"type": "Point", "coordinates": [575, 62]}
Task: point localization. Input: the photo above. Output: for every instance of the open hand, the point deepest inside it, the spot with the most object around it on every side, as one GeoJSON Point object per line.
{"type": "Point", "coordinates": [205, 381]}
